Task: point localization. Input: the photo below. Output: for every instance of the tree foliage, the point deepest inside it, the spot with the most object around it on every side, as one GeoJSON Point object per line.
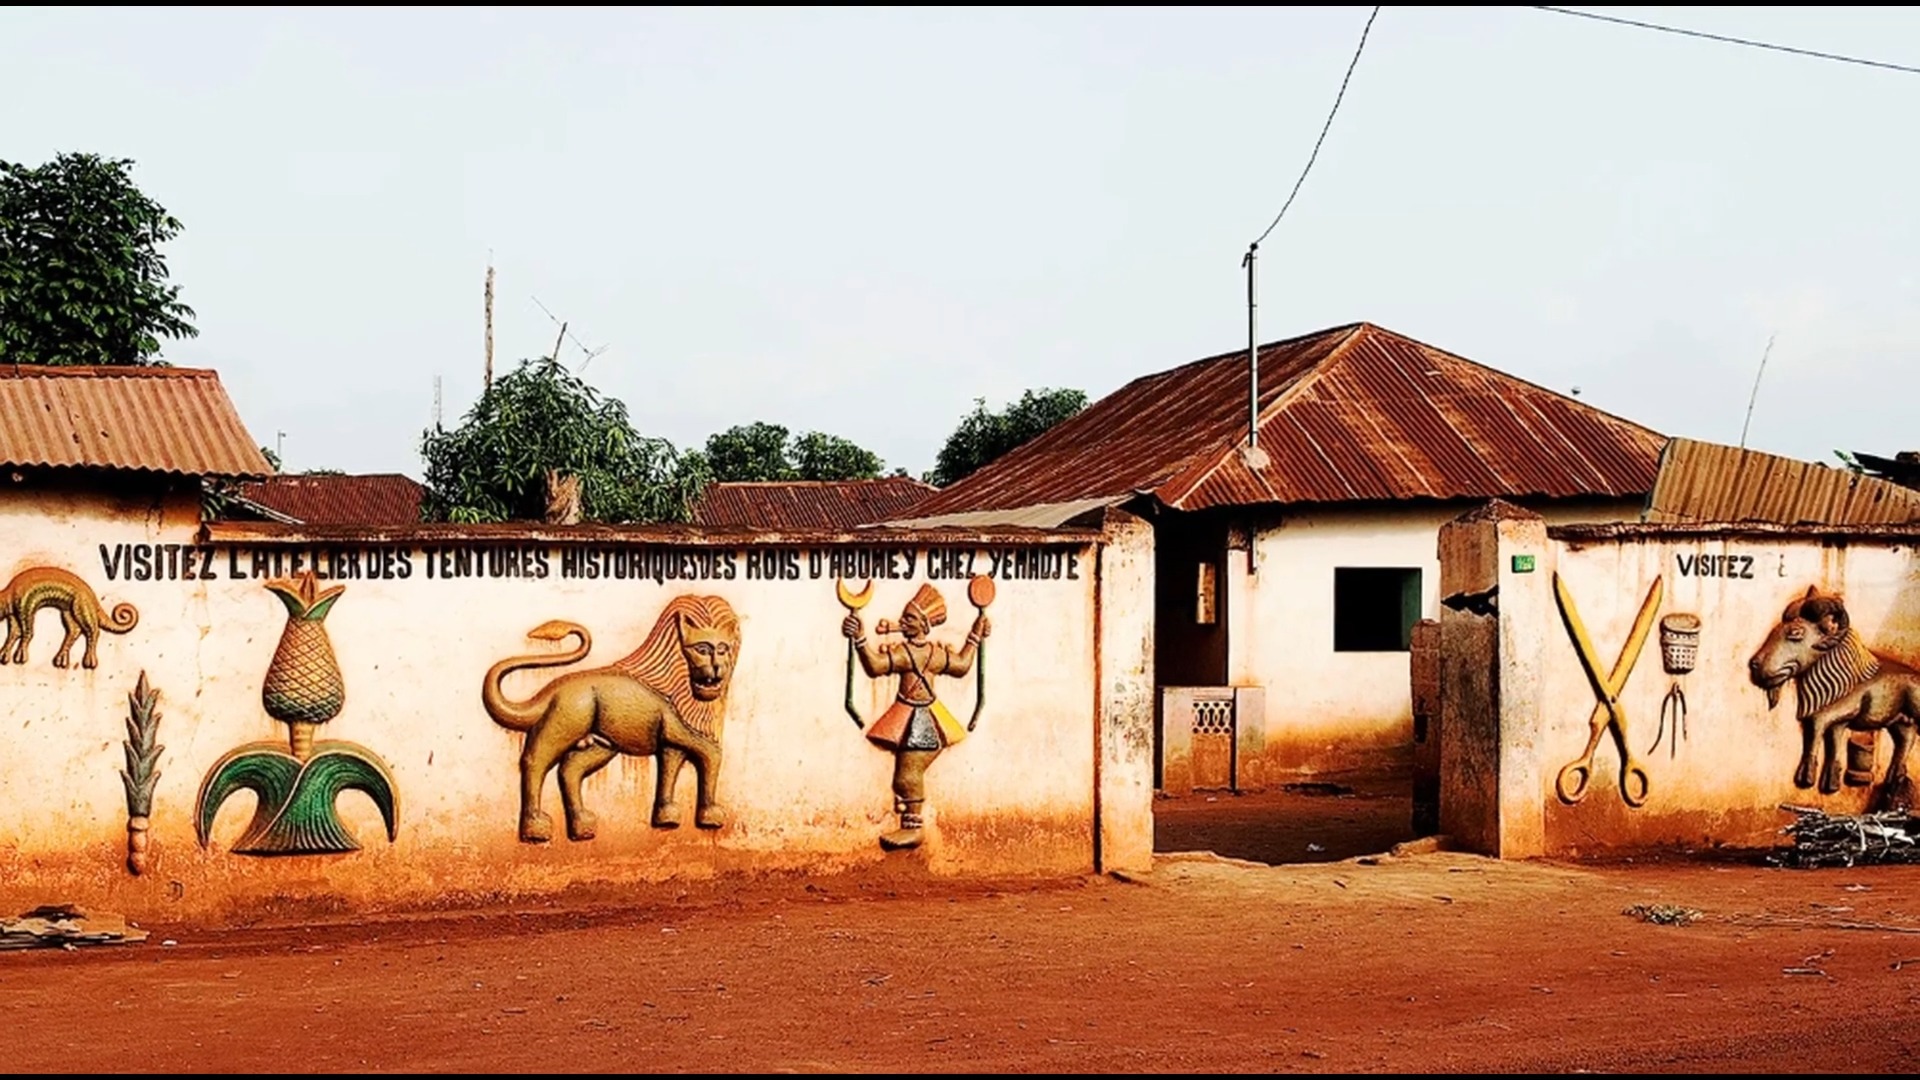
{"type": "Point", "coordinates": [984, 435]}
{"type": "Point", "coordinates": [82, 280]}
{"type": "Point", "coordinates": [750, 452]}
{"type": "Point", "coordinates": [819, 456]}
{"type": "Point", "coordinates": [493, 467]}
{"type": "Point", "coordinates": [762, 452]}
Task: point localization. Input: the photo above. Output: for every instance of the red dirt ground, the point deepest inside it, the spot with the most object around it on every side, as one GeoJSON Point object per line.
{"type": "Point", "coordinates": [1332, 817]}
{"type": "Point", "coordinates": [1352, 963]}
{"type": "Point", "coordinates": [1412, 963]}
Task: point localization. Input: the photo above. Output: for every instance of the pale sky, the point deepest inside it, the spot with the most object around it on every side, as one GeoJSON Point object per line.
{"type": "Point", "coordinates": [860, 220]}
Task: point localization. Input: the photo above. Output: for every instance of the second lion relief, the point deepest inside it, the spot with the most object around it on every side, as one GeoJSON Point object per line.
{"type": "Point", "coordinates": [666, 700]}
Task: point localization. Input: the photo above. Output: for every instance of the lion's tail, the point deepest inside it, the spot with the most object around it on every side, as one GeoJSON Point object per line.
{"type": "Point", "coordinates": [121, 619]}
{"type": "Point", "coordinates": [522, 715]}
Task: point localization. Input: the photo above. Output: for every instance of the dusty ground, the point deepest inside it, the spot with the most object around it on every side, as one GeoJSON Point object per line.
{"type": "Point", "coordinates": [1334, 817]}
{"type": "Point", "coordinates": [1437, 961]}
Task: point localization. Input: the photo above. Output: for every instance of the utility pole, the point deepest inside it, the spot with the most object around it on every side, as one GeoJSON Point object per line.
{"type": "Point", "coordinates": [1255, 457]}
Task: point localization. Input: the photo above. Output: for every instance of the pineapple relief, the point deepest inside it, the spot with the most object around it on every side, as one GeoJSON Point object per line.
{"type": "Point", "coordinates": [297, 782]}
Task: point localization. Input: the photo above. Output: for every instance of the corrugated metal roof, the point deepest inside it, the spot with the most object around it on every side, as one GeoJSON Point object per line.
{"type": "Point", "coordinates": [1708, 482]}
{"type": "Point", "coordinates": [169, 420]}
{"type": "Point", "coordinates": [809, 504]}
{"type": "Point", "coordinates": [1356, 413]}
{"type": "Point", "coordinates": [372, 499]}
{"type": "Point", "coordinates": [1048, 516]}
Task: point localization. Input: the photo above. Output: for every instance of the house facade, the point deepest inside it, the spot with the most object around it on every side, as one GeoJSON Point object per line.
{"type": "Point", "coordinates": [1289, 581]}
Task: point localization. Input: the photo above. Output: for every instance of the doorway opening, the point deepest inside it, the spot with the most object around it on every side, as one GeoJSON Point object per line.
{"type": "Point", "coordinates": [1216, 787]}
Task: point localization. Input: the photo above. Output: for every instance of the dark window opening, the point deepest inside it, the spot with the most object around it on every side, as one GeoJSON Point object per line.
{"type": "Point", "coordinates": [1374, 608]}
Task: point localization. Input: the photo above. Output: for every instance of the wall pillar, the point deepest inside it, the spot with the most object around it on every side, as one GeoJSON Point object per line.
{"type": "Point", "coordinates": [1123, 758]}
{"type": "Point", "coordinates": [1496, 601]}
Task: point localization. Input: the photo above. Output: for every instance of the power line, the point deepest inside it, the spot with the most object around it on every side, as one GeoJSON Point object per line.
{"type": "Point", "coordinates": [1730, 40]}
{"type": "Point", "coordinates": [1324, 128]}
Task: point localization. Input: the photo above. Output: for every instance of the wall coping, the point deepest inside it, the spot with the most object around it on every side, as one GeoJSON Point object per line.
{"type": "Point", "coordinates": [268, 533]}
{"type": "Point", "coordinates": [1733, 530]}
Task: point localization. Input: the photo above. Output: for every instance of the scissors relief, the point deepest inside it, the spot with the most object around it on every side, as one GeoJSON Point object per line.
{"type": "Point", "coordinates": [1609, 715]}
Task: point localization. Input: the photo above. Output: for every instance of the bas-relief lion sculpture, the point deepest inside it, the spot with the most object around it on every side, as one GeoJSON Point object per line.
{"type": "Point", "coordinates": [666, 700]}
{"type": "Point", "coordinates": [1839, 685]}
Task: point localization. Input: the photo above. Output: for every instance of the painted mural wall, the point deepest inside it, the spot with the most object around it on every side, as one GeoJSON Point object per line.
{"type": "Point", "coordinates": [1674, 685]}
{"type": "Point", "coordinates": [1329, 710]}
{"type": "Point", "coordinates": [204, 723]}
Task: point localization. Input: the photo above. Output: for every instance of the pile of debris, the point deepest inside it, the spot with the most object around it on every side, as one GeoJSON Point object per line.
{"type": "Point", "coordinates": [1822, 839]}
{"type": "Point", "coordinates": [66, 926]}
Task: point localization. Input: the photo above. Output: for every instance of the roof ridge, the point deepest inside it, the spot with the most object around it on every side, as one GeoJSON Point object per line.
{"type": "Point", "coordinates": [822, 483]}
{"type": "Point", "coordinates": [335, 476]}
{"type": "Point", "coordinates": [1192, 477]}
{"type": "Point", "coordinates": [104, 371]}
{"type": "Point", "coordinates": [1045, 441]}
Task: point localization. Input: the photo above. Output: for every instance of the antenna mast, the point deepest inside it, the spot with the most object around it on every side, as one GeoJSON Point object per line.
{"type": "Point", "coordinates": [1755, 396]}
{"type": "Point", "coordinates": [488, 383]}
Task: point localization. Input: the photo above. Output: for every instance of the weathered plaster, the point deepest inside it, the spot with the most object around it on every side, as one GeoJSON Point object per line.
{"type": "Point", "coordinates": [806, 790]}
{"type": "Point", "coordinates": [1723, 784]}
{"type": "Point", "coordinates": [1325, 710]}
{"type": "Point", "coordinates": [1124, 585]}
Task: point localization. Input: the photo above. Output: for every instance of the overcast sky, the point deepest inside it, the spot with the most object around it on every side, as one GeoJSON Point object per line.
{"type": "Point", "coordinates": [860, 220]}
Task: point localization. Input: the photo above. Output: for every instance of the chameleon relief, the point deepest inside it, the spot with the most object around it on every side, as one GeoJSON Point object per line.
{"type": "Point", "coordinates": [80, 614]}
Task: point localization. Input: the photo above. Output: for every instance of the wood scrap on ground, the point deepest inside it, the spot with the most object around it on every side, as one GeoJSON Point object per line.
{"type": "Point", "coordinates": [66, 926]}
{"type": "Point", "coordinates": [1822, 839]}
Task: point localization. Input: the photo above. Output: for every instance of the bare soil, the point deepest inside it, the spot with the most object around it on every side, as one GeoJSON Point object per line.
{"type": "Point", "coordinates": [1411, 963]}
{"type": "Point", "coordinates": [1326, 819]}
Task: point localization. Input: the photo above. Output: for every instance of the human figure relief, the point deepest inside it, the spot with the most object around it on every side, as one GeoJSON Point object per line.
{"type": "Point", "coordinates": [917, 726]}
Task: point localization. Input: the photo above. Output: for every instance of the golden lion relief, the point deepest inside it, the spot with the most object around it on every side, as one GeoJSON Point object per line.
{"type": "Point", "coordinates": [666, 700]}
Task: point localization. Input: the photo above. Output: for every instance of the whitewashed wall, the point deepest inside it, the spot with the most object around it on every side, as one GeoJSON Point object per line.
{"type": "Point", "coordinates": [1329, 711]}
{"type": "Point", "coordinates": [805, 789]}
{"type": "Point", "coordinates": [1724, 783]}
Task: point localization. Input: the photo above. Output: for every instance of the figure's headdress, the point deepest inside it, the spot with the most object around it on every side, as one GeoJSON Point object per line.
{"type": "Point", "coordinates": [929, 605]}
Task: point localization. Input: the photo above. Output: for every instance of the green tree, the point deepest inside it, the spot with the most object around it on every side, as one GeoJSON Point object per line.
{"type": "Point", "coordinates": [819, 456]}
{"type": "Point", "coordinates": [82, 280]}
{"type": "Point", "coordinates": [750, 452]}
{"type": "Point", "coordinates": [764, 453]}
{"type": "Point", "coordinates": [984, 435]}
{"type": "Point", "coordinates": [541, 417]}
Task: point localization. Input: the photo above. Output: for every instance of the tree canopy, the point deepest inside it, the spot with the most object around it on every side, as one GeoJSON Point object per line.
{"type": "Point", "coordinates": [82, 280]}
{"type": "Point", "coordinates": [984, 435]}
{"type": "Point", "coordinates": [541, 417]}
{"type": "Point", "coordinates": [762, 452]}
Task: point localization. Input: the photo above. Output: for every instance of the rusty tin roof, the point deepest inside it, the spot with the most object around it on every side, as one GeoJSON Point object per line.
{"type": "Point", "coordinates": [809, 504]}
{"type": "Point", "coordinates": [151, 419]}
{"type": "Point", "coordinates": [1709, 482]}
{"type": "Point", "coordinates": [371, 499]}
{"type": "Point", "coordinates": [1353, 414]}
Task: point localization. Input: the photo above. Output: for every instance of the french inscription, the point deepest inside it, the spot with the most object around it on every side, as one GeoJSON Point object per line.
{"type": "Point", "coordinates": [1716, 566]}
{"type": "Point", "coordinates": [658, 564]}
